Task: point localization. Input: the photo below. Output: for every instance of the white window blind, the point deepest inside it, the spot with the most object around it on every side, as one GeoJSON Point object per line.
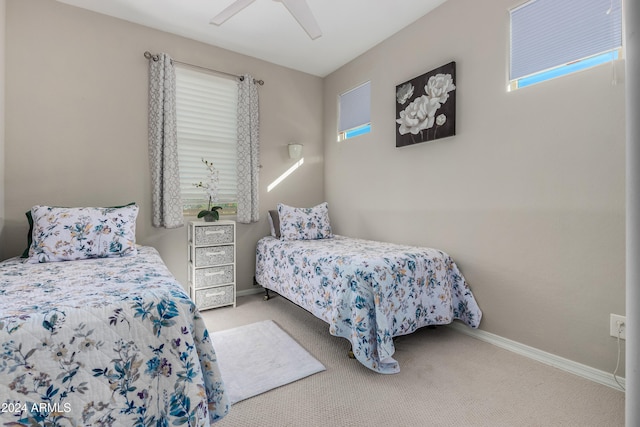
{"type": "Point", "coordinates": [206, 110]}
{"type": "Point", "coordinates": [355, 108]}
{"type": "Point", "coordinates": [551, 33]}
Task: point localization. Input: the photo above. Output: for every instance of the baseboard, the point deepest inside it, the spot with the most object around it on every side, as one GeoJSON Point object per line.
{"type": "Point", "coordinates": [245, 292]}
{"type": "Point", "coordinates": [596, 375]}
{"type": "Point", "coordinates": [584, 371]}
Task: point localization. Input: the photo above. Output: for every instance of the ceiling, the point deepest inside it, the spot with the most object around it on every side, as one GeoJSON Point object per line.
{"type": "Point", "coordinates": [266, 30]}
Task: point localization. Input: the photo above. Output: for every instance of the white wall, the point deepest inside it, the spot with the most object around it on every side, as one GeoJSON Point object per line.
{"type": "Point", "coordinates": [76, 119]}
{"type": "Point", "coordinates": [528, 197]}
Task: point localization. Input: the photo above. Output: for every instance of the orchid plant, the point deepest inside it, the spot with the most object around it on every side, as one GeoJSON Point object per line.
{"type": "Point", "coordinates": [211, 188]}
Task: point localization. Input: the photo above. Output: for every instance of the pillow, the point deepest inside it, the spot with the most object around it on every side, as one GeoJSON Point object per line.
{"type": "Point", "coordinates": [304, 223]}
{"type": "Point", "coordinates": [66, 234]}
{"type": "Point", "coordinates": [274, 223]}
{"type": "Point", "coordinates": [25, 253]}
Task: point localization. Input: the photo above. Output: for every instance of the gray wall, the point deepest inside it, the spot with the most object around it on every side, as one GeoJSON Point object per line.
{"type": "Point", "coordinates": [528, 197]}
{"type": "Point", "coordinates": [632, 354]}
{"type": "Point", "coordinates": [76, 117]}
{"type": "Point", "coordinates": [2, 108]}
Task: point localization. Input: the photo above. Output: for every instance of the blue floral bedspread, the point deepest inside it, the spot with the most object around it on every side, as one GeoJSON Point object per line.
{"type": "Point", "coordinates": [108, 342]}
{"type": "Point", "coordinates": [368, 292]}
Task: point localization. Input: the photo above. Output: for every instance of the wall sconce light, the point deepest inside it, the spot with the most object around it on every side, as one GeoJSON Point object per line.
{"type": "Point", "coordinates": [295, 151]}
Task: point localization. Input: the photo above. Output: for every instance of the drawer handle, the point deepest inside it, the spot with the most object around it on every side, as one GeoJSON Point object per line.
{"type": "Point", "coordinates": [214, 294]}
{"type": "Point", "coordinates": [214, 273]}
{"type": "Point", "coordinates": [214, 253]}
{"type": "Point", "coordinates": [208, 232]}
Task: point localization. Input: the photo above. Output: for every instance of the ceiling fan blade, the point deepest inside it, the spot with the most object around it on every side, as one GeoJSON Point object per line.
{"type": "Point", "coordinates": [231, 10]}
{"type": "Point", "coordinates": [301, 11]}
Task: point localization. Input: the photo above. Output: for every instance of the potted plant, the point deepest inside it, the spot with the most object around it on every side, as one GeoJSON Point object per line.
{"type": "Point", "coordinates": [211, 214]}
{"type": "Point", "coordinates": [211, 188]}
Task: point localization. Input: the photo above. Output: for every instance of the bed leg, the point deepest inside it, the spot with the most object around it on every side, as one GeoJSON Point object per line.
{"type": "Point", "coordinates": [350, 353]}
{"type": "Point", "coordinates": [266, 291]}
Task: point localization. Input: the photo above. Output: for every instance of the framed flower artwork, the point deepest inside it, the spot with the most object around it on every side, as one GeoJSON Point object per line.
{"type": "Point", "coordinates": [426, 106]}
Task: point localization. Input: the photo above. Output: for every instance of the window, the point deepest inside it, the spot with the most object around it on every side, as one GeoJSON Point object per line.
{"type": "Point", "coordinates": [206, 110]}
{"type": "Point", "coordinates": [551, 38]}
{"type": "Point", "coordinates": [354, 112]}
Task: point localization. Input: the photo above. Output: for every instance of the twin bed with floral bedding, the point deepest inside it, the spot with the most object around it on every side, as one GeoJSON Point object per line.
{"type": "Point", "coordinates": [367, 291]}
{"type": "Point", "coordinates": [95, 330]}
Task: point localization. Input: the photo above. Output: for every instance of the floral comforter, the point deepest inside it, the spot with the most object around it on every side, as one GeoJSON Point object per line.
{"type": "Point", "coordinates": [368, 292]}
{"type": "Point", "coordinates": [109, 342]}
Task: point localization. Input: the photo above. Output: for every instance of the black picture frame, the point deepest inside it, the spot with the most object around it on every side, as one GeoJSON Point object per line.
{"type": "Point", "coordinates": [426, 106]}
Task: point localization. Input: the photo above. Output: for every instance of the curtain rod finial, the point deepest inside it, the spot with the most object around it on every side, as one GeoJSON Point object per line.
{"type": "Point", "coordinates": [148, 55]}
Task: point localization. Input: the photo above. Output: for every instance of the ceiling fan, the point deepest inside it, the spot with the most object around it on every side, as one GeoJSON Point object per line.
{"type": "Point", "coordinates": [298, 8]}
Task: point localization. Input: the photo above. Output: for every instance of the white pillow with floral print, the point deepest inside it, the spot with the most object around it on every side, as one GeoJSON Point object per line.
{"type": "Point", "coordinates": [304, 223]}
{"type": "Point", "coordinates": [67, 234]}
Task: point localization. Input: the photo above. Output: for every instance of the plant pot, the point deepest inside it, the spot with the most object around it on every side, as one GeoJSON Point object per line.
{"type": "Point", "coordinates": [209, 218]}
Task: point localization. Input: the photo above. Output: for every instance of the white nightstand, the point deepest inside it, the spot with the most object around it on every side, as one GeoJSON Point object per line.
{"type": "Point", "coordinates": [212, 263]}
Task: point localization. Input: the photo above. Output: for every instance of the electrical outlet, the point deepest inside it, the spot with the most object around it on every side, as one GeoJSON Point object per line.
{"type": "Point", "coordinates": [617, 322]}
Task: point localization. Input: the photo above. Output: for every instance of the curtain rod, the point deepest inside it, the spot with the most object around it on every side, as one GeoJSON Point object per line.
{"type": "Point", "coordinates": [150, 56]}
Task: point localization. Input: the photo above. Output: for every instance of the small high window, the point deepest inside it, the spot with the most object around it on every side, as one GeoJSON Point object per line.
{"type": "Point", "coordinates": [354, 112]}
{"type": "Point", "coordinates": [552, 38]}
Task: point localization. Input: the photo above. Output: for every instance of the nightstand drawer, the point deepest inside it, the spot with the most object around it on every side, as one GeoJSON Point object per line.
{"type": "Point", "coordinates": [214, 255]}
{"type": "Point", "coordinates": [222, 295]}
{"type": "Point", "coordinates": [213, 276]}
{"type": "Point", "coordinates": [213, 234]}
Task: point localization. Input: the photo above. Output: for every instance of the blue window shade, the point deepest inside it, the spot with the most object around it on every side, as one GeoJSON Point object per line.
{"type": "Point", "coordinates": [355, 108]}
{"type": "Point", "coordinates": [549, 33]}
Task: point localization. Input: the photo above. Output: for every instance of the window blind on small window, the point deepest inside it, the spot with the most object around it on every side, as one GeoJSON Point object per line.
{"type": "Point", "coordinates": [206, 110]}
{"type": "Point", "coordinates": [550, 33]}
{"type": "Point", "coordinates": [355, 108]}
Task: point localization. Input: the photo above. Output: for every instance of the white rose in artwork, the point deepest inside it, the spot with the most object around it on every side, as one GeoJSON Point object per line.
{"type": "Point", "coordinates": [441, 119]}
{"type": "Point", "coordinates": [439, 86]}
{"type": "Point", "coordinates": [418, 115]}
{"type": "Point", "coordinates": [404, 93]}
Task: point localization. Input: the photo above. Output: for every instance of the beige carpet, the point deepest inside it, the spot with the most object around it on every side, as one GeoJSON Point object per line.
{"type": "Point", "coordinates": [446, 379]}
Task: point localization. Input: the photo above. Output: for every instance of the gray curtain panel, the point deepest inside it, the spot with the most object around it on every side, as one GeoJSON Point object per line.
{"type": "Point", "coordinates": [248, 151]}
{"type": "Point", "coordinates": [163, 144]}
